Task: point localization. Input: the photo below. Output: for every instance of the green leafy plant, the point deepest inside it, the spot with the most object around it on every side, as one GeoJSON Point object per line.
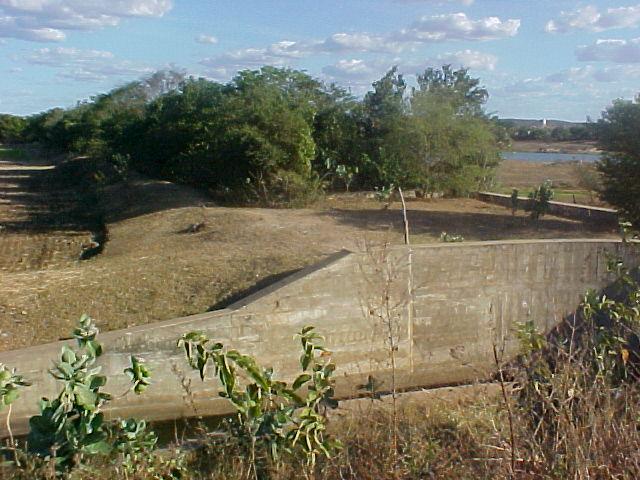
{"type": "Point", "coordinates": [72, 425]}
{"type": "Point", "coordinates": [139, 375]}
{"type": "Point", "coordinates": [451, 238]}
{"type": "Point", "coordinates": [539, 200]}
{"type": "Point", "coordinates": [384, 193]}
{"type": "Point", "coordinates": [10, 384]}
{"type": "Point", "coordinates": [272, 416]}
{"type": "Point", "coordinates": [627, 231]}
{"type": "Point", "coordinates": [514, 201]}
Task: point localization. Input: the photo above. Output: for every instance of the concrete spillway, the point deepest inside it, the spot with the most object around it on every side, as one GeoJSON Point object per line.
{"type": "Point", "coordinates": [450, 302]}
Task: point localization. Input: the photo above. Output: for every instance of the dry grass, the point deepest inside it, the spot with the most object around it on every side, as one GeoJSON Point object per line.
{"type": "Point", "coordinates": [567, 179]}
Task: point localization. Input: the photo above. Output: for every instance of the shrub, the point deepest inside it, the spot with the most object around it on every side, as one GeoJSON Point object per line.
{"type": "Point", "coordinates": [539, 200]}
{"type": "Point", "coordinates": [620, 166]}
{"type": "Point", "coordinates": [72, 425]}
{"type": "Point", "coordinates": [272, 417]}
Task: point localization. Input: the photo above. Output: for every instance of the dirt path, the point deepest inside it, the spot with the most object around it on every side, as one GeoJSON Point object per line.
{"type": "Point", "coordinates": [36, 231]}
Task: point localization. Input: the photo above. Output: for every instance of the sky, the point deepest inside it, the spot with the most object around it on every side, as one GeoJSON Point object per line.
{"type": "Point", "coordinates": [538, 58]}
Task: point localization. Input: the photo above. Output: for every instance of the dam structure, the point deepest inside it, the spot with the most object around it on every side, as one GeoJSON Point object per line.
{"type": "Point", "coordinates": [449, 303]}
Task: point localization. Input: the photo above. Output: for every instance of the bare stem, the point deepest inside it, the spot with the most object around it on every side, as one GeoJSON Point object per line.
{"type": "Point", "coordinates": [507, 405]}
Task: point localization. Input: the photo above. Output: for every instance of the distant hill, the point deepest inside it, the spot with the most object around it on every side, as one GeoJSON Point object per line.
{"type": "Point", "coordinates": [523, 122]}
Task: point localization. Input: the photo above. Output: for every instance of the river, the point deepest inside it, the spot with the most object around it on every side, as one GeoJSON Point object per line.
{"type": "Point", "coordinates": [547, 157]}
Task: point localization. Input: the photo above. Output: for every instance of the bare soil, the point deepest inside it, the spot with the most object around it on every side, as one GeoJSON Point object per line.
{"type": "Point", "coordinates": [152, 270]}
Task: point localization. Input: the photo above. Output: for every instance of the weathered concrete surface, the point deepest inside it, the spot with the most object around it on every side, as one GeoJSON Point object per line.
{"type": "Point", "coordinates": [607, 217]}
{"type": "Point", "coordinates": [449, 302]}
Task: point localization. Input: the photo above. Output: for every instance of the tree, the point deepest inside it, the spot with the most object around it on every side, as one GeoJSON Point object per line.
{"type": "Point", "coordinates": [455, 88]}
{"type": "Point", "coordinates": [618, 137]}
{"type": "Point", "coordinates": [12, 128]}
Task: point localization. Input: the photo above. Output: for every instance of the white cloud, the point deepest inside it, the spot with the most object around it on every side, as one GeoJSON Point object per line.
{"type": "Point", "coordinates": [457, 26]}
{"type": "Point", "coordinates": [85, 65]}
{"type": "Point", "coordinates": [47, 20]}
{"type": "Point", "coordinates": [357, 70]}
{"type": "Point", "coordinates": [426, 30]}
{"type": "Point", "coordinates": [610, 50]}
{"type": "Point", "coordinates": [206, 39]}
{"type": "Point", "coordinates": [277, 54]}
{"type": "Point", "coordinates": [590, 18]}
{"type": "Point", "coordinates": [363, 72]}
{"type": "Point", "coordinates": [358, 42]}
{"type": "Point", "coordinates": [469, 59]}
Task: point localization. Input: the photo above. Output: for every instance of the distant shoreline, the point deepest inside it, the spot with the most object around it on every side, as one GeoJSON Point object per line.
{"type": "Point", "coordinates": [555, 147]}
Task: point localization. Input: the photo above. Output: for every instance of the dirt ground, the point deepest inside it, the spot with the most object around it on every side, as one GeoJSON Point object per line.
{"type": "Point", "coordinates": [152, 270]}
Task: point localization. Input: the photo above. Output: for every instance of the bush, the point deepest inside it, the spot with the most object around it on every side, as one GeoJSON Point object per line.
{"type": "Point", "coordinates": [618, 136]}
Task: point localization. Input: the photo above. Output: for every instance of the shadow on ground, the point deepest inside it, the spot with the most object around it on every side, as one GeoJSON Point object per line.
{"type": "Point", "coordinates": [471, 225]}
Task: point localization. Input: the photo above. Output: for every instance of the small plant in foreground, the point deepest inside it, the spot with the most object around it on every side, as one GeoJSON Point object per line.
{"type": "Point", "coordinates": [72, 425]}
{"type": "Point", "coordinates": [272, 416]}
{"type": "Point", "coordinates": [10, 384]}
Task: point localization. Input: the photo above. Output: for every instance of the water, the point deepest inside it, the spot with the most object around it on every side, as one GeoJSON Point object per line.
{"type": "Point", "coordinates": [548, 157]}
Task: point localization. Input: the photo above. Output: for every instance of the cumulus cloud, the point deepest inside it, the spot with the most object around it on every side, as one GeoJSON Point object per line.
{"type": "Point", "coordinates": [84, 65]}
{"type": "Point", "coordinates": [47, 20]}
{"type": "Point", "coordinates": [359, 71]}
{"type": "Point", "coordinates": [590, 18]}
{"type": "Point", "coordinates": [469, 59]}
{"type": "Point", "coordinates": [206, 39]}
{"type": "Point", "coordinates": [458, 26]}
{"type": "Point", "coordinates": [357, 42]}
{"type": "Point", "coordinates": [355, 70]}
{"type": "Point", "coordinates": [610, 50]}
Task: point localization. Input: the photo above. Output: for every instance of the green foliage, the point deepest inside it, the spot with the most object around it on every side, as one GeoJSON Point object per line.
{"type": "Point", "coordinates": [139, 375]}
{"type": "Point", "coordinates": [620, 166]}
{"type": "Point", "coordinates": [384, 193]}
{"type": "Point", "coordinates": [531, 341]}
{"type": "Point", "coordinates": [575, 133]}
{"type": "Point", "coordinates": [514, 201]}
{"type": "Point", "coordinates": [12, 128]}
{"type": "Point", "coordinates": [10, 383]}
{"type": "Point", "coordinates": [133, 442]}
{"type": "Point", "coordinates": [72, 425]}
{"type": "Point", "coordinates": [539, 200]}
{"type": "Point", "coordinates": [272, 416]}
{"type": "Point", "coordinates": [614, 319]}
{"type": "Point", "coordinates": [451, 238]}
{"type": "Point", "coordinates": [272, 135]}
{"type": "Point", "coordinates": [436, 137]}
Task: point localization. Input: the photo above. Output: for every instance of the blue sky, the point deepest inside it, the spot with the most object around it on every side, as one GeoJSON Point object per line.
{"type": "Point", "coordinates": [538, 58]}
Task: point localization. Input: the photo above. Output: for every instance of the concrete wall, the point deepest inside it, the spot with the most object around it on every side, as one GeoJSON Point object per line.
{"type": "Point", "coordinates": [451, 303]}
{"type": "Point", "coordinates": [606, 217]}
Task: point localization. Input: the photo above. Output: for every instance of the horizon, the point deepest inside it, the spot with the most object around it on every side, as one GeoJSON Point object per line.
{"type": "Point", "coordinates": [563, 60]}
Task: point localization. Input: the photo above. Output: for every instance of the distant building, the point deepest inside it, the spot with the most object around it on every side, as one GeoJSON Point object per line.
{"type": "Point", "coordinates": [544, 123]}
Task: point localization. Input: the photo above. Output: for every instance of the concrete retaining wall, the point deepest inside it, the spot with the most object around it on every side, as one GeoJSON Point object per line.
{"type": "Point", "coordinates": [451, 302]}
{"type": "Point", "coordinates": [606, 217]}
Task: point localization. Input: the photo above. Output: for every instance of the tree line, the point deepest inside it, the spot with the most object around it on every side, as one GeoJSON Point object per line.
{"type": "Point", "coordinates": [279, 134]}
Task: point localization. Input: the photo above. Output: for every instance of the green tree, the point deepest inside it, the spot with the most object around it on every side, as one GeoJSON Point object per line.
{"type": "Point", "coordinates": [620, 165]}
{"type": "Point", "coordinates": [12, 128]}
